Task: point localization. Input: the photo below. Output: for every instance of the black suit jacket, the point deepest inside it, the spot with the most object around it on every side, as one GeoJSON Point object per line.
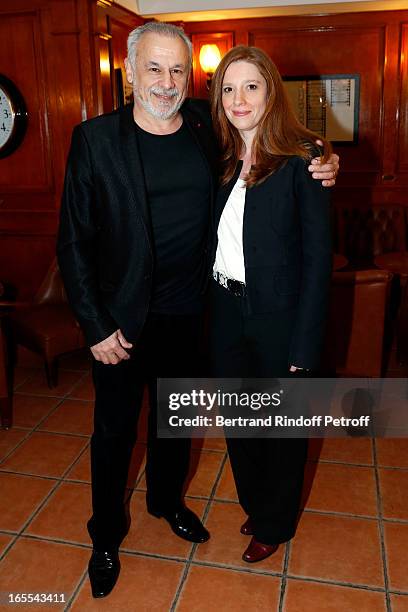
{"type": "Point", "coordinates": [288, 252]}
{"type": "Point", "coordinates": [104, 243]}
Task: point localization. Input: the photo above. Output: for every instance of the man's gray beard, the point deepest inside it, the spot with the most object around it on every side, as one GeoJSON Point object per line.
{"type": "Point", "coordinates": [157, 113]}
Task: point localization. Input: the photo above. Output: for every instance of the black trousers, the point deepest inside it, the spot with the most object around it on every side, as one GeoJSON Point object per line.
{"type": "Point", "coordinates": [268, 472]}
{"type": "Point", "coordinates": [168, 347]}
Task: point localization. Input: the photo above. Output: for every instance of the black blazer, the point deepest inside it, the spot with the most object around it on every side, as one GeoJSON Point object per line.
{"type": "Point", "coordinates": [287, 252]}
{"type": "Point", "coordinates": [104, 243]}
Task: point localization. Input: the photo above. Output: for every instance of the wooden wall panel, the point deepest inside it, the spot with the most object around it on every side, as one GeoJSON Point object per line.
{"type": "Point", "coordinates": [117, 25]}
{"type": "Point", "coordinates": [390, 102]}
{"type": "Point", "coordinates": [68, 35]}
{"type": "Point", "coordinates": [338, 51]}
{"type": "Point", "coordinates": [403, 124]}
{"type": "Point", "coordinates": [43, 60]}
{"type": "Point", "coordinates": [20, 50]}
{"type": "Point", "coordinates": [50, 49]}
{"type": "Point", "coordinates": [119, 31]}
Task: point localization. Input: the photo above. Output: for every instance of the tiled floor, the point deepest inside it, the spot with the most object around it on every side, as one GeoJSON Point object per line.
{"type": "Point", "coordinates": [350, 552]}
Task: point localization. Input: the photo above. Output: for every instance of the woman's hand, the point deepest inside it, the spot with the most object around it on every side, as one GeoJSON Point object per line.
{"type": "Point", "coordinates": [300, 372]}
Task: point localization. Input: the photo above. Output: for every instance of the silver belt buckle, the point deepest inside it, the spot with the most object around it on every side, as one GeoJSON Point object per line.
{"type": "Point", "coordinates": [221, 279]}
{"type": "Point", "coordinates": [233, 286]}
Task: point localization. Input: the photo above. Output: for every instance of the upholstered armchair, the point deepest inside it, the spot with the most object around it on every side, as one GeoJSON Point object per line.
{"type": "Point", "coordinates": [364, 233]}
{"type": "Point", "coordinates": [356, 323]}
{"type": "Point", "coordinates": [47, 325]}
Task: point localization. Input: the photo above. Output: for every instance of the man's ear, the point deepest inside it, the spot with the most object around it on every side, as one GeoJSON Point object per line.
{"type": "Point", "coordinates": [129, 71]}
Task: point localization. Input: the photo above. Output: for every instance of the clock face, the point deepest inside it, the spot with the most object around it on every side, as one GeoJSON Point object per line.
{"type": "Point", "coordinates": [13, 117]}
{"type": "Point", "coordinates": [7, 118]}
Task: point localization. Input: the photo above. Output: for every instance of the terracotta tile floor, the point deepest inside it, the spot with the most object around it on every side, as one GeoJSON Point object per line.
{"type": "Point", "coordinates": [350, 553]}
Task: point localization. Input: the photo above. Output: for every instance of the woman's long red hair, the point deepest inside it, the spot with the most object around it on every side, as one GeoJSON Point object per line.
{"type": "Point", "coordinates": [279, 136]}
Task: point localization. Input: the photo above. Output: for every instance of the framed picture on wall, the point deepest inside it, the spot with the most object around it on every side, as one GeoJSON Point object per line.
{"type": "Point", "coordinates": [327, 104]}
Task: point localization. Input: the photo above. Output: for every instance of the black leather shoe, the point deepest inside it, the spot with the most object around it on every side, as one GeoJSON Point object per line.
{"type": "Point", "coordinates": [103, 570]}
{"type": "Point", "coordinates": [185, 524]}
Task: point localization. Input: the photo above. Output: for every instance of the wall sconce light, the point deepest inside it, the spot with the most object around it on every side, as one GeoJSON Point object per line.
{"type": "Point", "coordinates": [210, 57]}
{"type": "Point", "coordinates": [104, 65]}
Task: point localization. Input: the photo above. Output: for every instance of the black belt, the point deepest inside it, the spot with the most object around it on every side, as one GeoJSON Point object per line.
{"type": "Point", "coordinates": [233, 286]}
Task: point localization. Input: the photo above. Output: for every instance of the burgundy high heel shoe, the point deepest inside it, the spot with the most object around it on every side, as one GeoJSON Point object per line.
{"type": "Point", "coordinates": [257, 551]}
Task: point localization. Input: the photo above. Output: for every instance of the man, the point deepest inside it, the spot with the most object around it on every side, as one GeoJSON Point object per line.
{"type": "Point", "coordinates": [132, 251]}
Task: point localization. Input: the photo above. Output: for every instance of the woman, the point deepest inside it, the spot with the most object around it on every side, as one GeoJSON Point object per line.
{"type": "Point", "coordinates": [272, 269]}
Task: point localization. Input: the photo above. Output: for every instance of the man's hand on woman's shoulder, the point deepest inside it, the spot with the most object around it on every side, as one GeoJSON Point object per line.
{"type": "Point", "coordinates": [325, 172]}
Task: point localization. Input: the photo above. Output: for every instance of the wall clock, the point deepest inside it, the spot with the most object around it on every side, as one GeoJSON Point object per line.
{"type": "Point", "coordinates": [13, 117]}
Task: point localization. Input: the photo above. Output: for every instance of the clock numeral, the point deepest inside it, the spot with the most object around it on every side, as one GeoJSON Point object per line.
{"type": "Point", "coordinates": [13, 117]}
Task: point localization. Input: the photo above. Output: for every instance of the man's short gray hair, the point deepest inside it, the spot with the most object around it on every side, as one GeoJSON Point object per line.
{"type": "Point", "coordinates": [157, 27]}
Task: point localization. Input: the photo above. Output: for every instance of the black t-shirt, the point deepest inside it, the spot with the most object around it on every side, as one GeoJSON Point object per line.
{"type": "Point", "coordinates": [178, 191]}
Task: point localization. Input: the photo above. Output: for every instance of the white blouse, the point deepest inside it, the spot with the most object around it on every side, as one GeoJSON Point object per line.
{"type": "Point", "coordinates": [229, 259]}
